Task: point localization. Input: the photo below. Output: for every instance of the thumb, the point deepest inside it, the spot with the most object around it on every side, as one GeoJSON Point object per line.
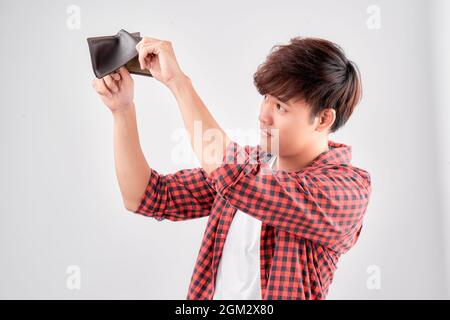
{"type": "Point", "coordinates": [124, 73]}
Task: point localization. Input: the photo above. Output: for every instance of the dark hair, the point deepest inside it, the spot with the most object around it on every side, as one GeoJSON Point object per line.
{"type": "Point", "coordinates": [314, 70]}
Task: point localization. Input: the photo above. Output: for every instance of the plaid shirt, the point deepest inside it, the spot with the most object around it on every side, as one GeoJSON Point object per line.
{"type": "Point", "coordinates": [309, 217]}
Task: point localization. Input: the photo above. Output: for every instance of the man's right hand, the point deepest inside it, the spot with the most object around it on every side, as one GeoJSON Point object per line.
{"type": "Point", "coordinates": [116, 90]}
{"type": "Point", "coordinates": [159, 58]}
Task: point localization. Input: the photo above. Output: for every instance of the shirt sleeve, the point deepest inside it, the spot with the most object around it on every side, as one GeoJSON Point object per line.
{"type": "Point", "coordinates": [177, 196]}
{"type": "Point", "coordinates": [324, 204]}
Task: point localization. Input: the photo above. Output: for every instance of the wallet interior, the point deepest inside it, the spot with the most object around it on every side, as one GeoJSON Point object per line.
{"type": "Point", "coordinates": [109, 53]}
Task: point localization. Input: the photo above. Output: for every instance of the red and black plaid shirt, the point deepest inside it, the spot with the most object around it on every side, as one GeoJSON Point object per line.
{"type": "Point", "coordinates": [309, 217]}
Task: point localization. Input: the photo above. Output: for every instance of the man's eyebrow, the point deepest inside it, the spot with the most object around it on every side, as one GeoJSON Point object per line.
{"type": "Point", "coordinates": [288, 104]}
{"type": "Point", "coordinates": [285, 102]}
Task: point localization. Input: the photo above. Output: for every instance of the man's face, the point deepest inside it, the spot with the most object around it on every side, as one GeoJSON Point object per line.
{"type": "Point", "coordinates": [289, 124]}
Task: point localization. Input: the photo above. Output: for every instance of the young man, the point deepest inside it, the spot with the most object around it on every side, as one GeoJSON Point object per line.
{"type": "Point", "coordinates": [280, 213]}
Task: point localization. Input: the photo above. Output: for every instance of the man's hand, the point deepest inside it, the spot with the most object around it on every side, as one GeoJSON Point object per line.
{"type": "Point", "coordinates": [159, 58]}
{"type": "Point", "coordinates": [116, 90]}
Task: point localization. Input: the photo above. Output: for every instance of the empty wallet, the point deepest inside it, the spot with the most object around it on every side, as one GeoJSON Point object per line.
{"type": "Point", "coordinates": [109, 53]}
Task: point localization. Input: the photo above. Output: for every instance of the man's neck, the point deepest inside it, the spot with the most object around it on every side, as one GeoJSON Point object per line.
{"type": "Point", "coordinates": [299, 161]}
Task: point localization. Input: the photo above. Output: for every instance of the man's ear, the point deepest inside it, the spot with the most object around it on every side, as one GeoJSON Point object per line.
{"type": "Point", "coordinates": [325, 119]}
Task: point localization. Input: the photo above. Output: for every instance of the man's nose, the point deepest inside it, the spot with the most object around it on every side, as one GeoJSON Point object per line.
{"type": "Point", "coordinates": [265, 117]}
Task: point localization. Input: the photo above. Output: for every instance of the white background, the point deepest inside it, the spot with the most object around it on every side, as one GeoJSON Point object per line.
{"type": "Point", "coordinates": [61, 203]}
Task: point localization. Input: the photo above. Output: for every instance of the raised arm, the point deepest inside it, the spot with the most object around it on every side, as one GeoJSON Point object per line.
{"type": "Point", "coordinates": [177, 196]}
{"type": "Point", "coordinates": [117, 93]}
{"type": "Point", "coordinates": [207, 138]}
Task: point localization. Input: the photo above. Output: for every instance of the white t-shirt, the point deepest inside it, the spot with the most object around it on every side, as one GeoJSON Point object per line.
{"type": "Point", "coordinates": [238, 274]}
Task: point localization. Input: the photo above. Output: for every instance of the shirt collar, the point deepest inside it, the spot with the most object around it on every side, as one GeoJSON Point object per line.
{"type": "Point", "coordinates": [337, 154]}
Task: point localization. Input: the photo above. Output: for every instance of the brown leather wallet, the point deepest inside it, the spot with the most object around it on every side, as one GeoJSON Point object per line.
{"type": "Point", "coordinates": [109, 53]}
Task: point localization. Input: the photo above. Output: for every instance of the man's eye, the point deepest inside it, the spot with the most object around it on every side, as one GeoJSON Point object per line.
{"type": "Point", "coordinates": [280, 108]}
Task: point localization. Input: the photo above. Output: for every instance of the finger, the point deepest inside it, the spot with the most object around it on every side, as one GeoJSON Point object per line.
{"type": "Point", "coordinates": [145, 51]}
{"type": "Point", "coordinates": [146, 40]}
{"type": "Point", "coordinates": [139, 45]}
{"type": "Point", "coordinates": [110, 83]}
{"type": "Point", "coordinates": [116, 75]}
{"type": "Point", "coordinates": [100, 87]}
{"type": "Point", "coordinates": [124, 74]}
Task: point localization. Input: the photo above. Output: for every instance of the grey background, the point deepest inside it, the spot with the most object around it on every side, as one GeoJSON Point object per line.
{"type": "Point", "coordinates": [61, 203]}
